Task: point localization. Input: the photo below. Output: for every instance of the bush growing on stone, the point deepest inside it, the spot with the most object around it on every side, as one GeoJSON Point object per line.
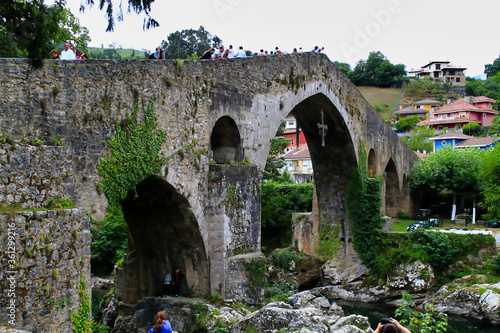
{"type": "Point", "coordinates": [284, 258]}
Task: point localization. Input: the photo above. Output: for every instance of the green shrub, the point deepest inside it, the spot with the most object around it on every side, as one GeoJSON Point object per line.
{"type": "Point", "coordinates": [403, 216]}
{"type": "Point", "coordinates": [283, 259]}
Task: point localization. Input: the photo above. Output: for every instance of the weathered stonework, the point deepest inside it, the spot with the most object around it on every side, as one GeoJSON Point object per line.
{"type": "Point", "coordinates": [212, 111]}
{"type": "Point", "coordinates": [43, 255]}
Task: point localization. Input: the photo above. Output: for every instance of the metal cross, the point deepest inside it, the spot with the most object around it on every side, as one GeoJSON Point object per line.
{"type": "Point", "coordinates": [323, 128]}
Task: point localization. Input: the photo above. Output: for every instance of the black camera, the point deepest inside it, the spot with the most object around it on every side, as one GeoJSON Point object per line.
{"type": "Point", "coordinates": [384, 321]}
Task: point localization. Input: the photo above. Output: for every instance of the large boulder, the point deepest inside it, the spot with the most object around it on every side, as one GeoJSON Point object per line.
{"type": "Point", "coordinates": [480, 301]}
{"type": "Point", "coordinates": [304, 312]}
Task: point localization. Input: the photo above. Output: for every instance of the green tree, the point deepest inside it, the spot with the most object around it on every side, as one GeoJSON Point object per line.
{"type": "Point", "coordinates": [419, 139]}
{"type": "Point", "coordinates": [489, 174]}
{"type": "Point", "coordinates": [473, 129]}
{"type": "Point", "coordinates": [344, 67]}
{"type": "Point", "coordinates": [407, 123]}
{"type": "Point", "coordinates": [492, 69]}
{"type": "Point", "coordinates": [489, 88]}
{"type": "Point", "coordinates": [377, 71]}
{"type": "Point", "coordinates": [182, 44]}
{"type": "Point", "coordinates": [453, 170]}
{"type": "Point", "coordinates": [31, 29]}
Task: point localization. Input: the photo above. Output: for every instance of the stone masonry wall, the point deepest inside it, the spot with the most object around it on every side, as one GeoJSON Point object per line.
{"type": "Point", "coordinates": [43, 255]}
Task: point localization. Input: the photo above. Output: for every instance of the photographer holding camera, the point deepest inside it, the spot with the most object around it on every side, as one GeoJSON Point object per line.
{"type": "Point", "coordinates": [390, 325]}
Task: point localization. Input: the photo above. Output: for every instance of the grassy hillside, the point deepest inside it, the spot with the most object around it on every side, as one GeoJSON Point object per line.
{"type": "Point", "coordinates": [124, 53]}
{"type": "Point", "coordinates": [383, 100]}
{"type": "Point", "coordinates": [421, 89]}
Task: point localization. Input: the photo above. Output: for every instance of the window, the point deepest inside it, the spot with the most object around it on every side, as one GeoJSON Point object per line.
{"type": "Point", "coordinates": [451, 73]}
{"type": "Point", "coordinates": [444, 143]}
{"type": "Point", "coordinates": [438, 66]}
{"type": "Point", "coordinates": [458, 79]}
{"type": "Point", "coordinates": [462, 114]}
{"type": "Point", "coordinates": [440, 127]}
{"type": "Point", "coordinates": [484, 115]}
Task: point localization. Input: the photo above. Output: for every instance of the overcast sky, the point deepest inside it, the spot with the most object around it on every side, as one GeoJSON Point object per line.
{"type": "Point", "coordinates": [411, 32]}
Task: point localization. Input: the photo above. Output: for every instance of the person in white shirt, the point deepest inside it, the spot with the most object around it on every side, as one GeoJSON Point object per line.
{"type": "Point", "coordinates": [67, 54]}
{"type": "Point", "coordinates": [231, 53]}
{"type": "Point", "coordinates": [240, 53]}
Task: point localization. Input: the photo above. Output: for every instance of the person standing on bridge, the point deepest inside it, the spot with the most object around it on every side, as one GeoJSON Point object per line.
{"type": "Point", "coordinates": [240, 53]}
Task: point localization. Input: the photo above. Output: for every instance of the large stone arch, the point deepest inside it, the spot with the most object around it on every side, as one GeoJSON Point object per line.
{"type": "Point", "coordinates": [164, 235]}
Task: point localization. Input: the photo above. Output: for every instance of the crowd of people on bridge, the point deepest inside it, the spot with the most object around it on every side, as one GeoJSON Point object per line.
{"type": "Point", "coordinates": [69, 53]}
{"type": "Point", "coordinates": [229, 53]}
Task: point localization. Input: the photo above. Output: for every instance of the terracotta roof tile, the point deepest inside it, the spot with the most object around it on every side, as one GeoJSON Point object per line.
{"type": "Point", "coordinates": [483, 99]}
{"type": "Point", "coordinates": [427, 101]}
{"type": "Point", "coordinates": [410, 110]}
{"type": "Point", "coordinates": [456, 106]}
{"type": "Point", "coordinates": [302, 153]}
{"type": "Point", "coordinates": [450, 136]}
{"type": "Point", "coordinates": [477, 142]}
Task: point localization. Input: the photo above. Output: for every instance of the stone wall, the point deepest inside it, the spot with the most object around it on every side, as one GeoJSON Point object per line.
{"type": "Point", "coordinates": [43, 255]}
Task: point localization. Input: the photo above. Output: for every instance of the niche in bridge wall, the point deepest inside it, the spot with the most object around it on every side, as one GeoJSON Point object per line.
{"type": "Point", "coordinates": [226, 141]}
{"type": "Point", "coordinates": [372, 164]}
{"type": "Point", "coordinates": [163, 235]}
{"type": "Point", "coordinates": [392, 193]}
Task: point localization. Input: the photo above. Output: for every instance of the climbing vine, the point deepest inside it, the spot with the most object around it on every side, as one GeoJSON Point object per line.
{"type": "Point", "coordinates": [135, 155]}
{"type": "Point", "coordinates": [363, 201]}
{"type": "Point", "coordinates": [82, 322]}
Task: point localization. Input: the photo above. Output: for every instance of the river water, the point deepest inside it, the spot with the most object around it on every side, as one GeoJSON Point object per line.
{"type": "Point", "coordinates": [376, 311]}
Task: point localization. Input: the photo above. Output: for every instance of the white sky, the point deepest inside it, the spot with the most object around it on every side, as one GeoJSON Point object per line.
{"type": "Point", "coordinates": [411, 32]}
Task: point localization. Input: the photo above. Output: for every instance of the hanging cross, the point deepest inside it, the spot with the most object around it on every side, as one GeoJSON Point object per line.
{"type": "Point", "coordinates": [323, 128]}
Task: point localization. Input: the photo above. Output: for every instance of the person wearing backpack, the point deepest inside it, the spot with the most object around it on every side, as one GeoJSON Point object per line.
{"type": "Point", "coordinates": [162, 325]}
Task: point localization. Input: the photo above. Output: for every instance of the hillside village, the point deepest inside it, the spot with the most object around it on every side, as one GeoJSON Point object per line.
{"type": "Point", "coordinates": [446, 110]}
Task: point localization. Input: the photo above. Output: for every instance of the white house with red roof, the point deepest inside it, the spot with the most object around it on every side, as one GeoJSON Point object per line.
{"type": "Point", "coordinates": [463, 111]}
{"type": "Point", "coordinates": [299, 164]}
{"type": "Point", "coordinates": [442, 71]}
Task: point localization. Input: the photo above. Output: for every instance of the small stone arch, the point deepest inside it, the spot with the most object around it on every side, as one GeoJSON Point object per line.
{"type": "Point", "coordinates": [372, 163]}
{"type": "Point", "coordinates": [225, 141]}
{"type": "Point", "coordinates": [392, 191]}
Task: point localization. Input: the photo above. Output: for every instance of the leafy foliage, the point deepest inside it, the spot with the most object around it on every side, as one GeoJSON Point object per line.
{"type": "Point", "coordinates": [183, 44]}
{"type": "Point", "coordinates": [109, 241]}
{"type": "Point", "coordinates": [437, 249]}
{"type": "Point", "coordinates": [278, 202]}
{"type": "Point", "coordinates": [81, 319]}
{"type": "Point", "coordinates": [363, 201]}
{"type": "Point", "coordinates": [492, 69]}
{"type": "Point", "coordinates": [421, 320]}
{"type": "Point", "coordinates": [135, 155]}
{"type": "Point", "coordinates": [489, 88]}
{"type": "Point", "coordinates": [377, 71]}
{"type": "Point", "coordinates": [280, 291]}
{"type": "Point", "coordinates": [454, 170]}
{"type": "Point", "coordinates": [419, 139]}
{"type": "Point", "coordinates": [489, 173]}
{"type": "Point", "coordinates": [137, 6]}
{"type": "Point", "coordinates": [329, 242]}
{"type": "Point", "coordinates": [407, 123]}
{"type": "Point", "coordinates": [283, 259]}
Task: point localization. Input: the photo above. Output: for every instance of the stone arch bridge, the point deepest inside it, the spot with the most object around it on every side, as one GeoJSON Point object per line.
{"type": "Point", "coordinates": [204, 214]}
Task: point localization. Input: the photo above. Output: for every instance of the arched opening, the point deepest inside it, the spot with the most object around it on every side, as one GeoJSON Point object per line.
{"type": "Point", "coordinates": [163, 236]}
{"type": "Point", "coordinates": [372, 164]}
{"type": "Point", "coordinates": [226, 142]}
{"type": "Point", "coordinates": [333, 158]}
{"type": "Point", "coordinates": [392, 192]}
